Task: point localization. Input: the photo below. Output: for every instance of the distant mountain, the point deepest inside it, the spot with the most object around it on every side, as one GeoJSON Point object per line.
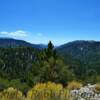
{"type": "Point", "coordinates": [9, 42]}
{"type": "Point", "coordinates": [42, 45]}
{"type": "Point", "coordinates": [83, 50]}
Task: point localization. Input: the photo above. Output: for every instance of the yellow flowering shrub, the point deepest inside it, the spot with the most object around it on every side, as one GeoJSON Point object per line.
{"type": "Point", "coordinates": [48, 91]}
{"type": "Point", "coordinates": [11, 94]}
{"type": "Point", "coordinates": [41, 91]}
{"type": "Point", "coordinates": [74, 85]}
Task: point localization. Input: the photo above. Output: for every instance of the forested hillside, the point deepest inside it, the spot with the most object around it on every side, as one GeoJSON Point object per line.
{"type": "Point", "coordinates": [24, 66]}
{"type": "Point", "coordinates": [86, 57]}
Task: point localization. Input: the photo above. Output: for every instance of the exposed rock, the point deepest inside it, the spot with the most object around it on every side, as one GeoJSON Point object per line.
{"type": "Point", "coordinates": [85, 93]}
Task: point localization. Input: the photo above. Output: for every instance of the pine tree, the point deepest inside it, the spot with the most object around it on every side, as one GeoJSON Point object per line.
{"type": "Point", "coordinates": [50, 49]}
{"type": "Point", "coordinates": [52, 66]}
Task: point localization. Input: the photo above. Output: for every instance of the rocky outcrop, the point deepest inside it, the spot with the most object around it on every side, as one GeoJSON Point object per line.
{"type": "Point", "coordinates": [85, 93]}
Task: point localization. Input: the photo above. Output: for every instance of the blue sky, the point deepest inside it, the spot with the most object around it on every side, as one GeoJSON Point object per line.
{"type": "Point", "coordinates": [60, 21]}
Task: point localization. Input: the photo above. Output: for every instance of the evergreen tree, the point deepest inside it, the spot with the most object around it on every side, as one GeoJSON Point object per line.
{"type": "Point", "coordinates": [52, 67]}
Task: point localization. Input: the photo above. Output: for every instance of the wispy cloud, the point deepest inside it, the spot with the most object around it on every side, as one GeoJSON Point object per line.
{"type": "Point", "coordinates": [40, 38]}
{"type": "Point", "coordinates": [18, 33]}
{"type": "Point", "coordinates": [32, 37]}
{"type": "Point", "coordinates": [39, 34]}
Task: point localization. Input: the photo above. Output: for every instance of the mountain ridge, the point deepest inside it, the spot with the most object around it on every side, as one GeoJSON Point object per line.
{"type": "Point", "coordinates": [10, 42]}
{"type": "Point", "coordinates": [86, 51]}
{"type": "Point", "coordinates": [77, 49]}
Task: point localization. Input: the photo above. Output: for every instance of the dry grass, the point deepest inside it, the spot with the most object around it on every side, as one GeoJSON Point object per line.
{"type": "Point", "coordinates": [74, 85]}
{"type": "Point", "coordinates": [97, 88]}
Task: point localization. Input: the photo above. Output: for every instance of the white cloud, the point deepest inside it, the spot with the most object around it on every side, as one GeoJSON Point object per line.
{"type": "Point", "coordinates": [18, 33]}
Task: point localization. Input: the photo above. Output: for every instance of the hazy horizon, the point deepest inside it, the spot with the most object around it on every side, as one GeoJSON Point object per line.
{"type": "Point", "coordinates": [48, 41]}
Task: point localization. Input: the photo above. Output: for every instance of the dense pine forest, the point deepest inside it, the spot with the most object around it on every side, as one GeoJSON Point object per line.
{"type": "Point", "coordinates": [24, 66]}
{"type": "Point", "coordinates": [28, 66]}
